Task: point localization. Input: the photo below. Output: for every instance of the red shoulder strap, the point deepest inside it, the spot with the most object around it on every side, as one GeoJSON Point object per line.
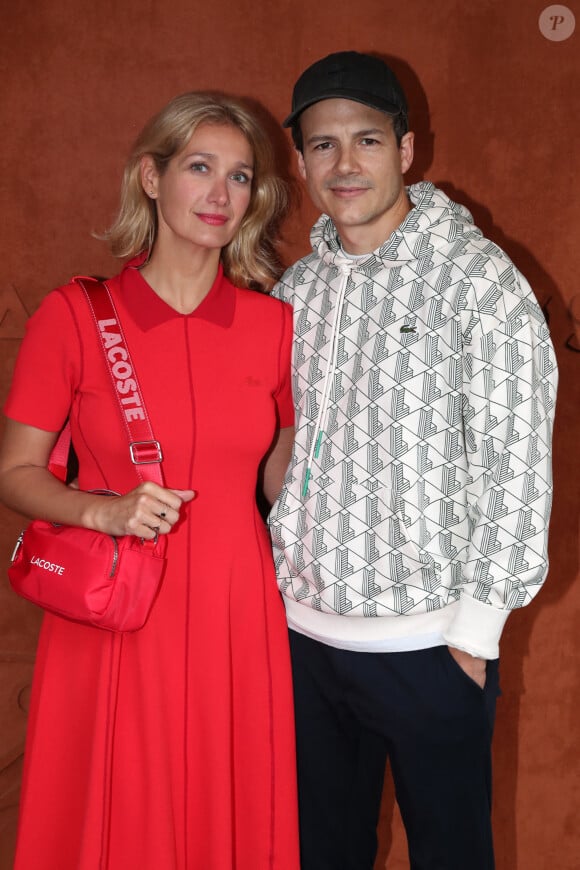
{"type": "Point", "coordinates": [144, 450]}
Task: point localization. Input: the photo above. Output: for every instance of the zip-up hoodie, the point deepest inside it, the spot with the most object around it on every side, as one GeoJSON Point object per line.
{"type": "Point", "coordinates": [416, 505]}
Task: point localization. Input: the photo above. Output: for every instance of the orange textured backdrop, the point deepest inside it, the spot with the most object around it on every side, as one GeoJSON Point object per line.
{"type": "Point", "coordinates": [495, 108]}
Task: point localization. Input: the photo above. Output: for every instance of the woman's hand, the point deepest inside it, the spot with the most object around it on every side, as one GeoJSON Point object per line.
{"type": "Point", "coordinates": [146, 511]}
{"type": "Point", "coordinates": [28, 487]}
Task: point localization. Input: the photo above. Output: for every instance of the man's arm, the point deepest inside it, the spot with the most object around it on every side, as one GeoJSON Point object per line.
{"type": "Point", "coordinates": [509, 395]}
{"type": "Point", "coordinates": [276, 462]}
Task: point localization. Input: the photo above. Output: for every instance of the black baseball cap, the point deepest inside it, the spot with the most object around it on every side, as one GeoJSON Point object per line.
{"type": "Point", "coordinates": [349, 75]}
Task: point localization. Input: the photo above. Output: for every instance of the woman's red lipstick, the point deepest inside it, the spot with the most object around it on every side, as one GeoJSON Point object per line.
{"type": "Point", "coordinates": [215, 220]}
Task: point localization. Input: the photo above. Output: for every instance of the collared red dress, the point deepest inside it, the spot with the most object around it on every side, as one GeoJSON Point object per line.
{"type": "Point", "coordinates": [171, 748]}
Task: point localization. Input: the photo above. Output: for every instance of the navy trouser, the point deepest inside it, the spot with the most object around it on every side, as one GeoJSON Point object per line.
{"type": "Point", "coordinates": [419, 709]}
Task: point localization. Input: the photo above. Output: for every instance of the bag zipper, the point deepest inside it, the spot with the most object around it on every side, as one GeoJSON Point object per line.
{"type": "Point", "coordinates": [112, 537]}
{"type": "Point", "coordinates": [17, 546]}
{"type": "Point", "coordinates": [115, 556]}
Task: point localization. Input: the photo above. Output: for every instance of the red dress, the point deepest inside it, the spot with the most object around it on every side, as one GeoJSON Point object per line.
{"type": "Point", "coordinates": [171, 748]}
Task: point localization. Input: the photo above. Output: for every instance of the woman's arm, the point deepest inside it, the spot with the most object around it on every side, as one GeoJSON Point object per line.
{"type": "Point", "coordinates": [275, 464]}
{"type": "Point", "coordinates": [27, 486]}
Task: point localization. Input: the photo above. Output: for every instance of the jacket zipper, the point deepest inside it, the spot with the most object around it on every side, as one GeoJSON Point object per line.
{"type": "Point", "coordinates": [318, 434]}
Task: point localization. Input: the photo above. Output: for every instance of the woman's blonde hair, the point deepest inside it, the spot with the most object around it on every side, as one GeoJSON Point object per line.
{"type": "Point", "coordinates": [251, 258]}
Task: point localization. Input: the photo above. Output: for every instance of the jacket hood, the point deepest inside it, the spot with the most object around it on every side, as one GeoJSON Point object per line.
{"type": "Point", "coordinates": [433, 212]}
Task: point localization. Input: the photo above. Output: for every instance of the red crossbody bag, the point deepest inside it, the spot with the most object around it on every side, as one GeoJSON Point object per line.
{"type": "Point", "coordinates": [90, 577]}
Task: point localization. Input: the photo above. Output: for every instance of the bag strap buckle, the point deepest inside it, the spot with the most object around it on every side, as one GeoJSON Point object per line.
{"type": "Point", "coordinates": [145, 452]}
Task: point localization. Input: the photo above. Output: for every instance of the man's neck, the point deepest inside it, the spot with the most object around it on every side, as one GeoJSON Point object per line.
{"type": "Point", "coordinates": [364, 239]}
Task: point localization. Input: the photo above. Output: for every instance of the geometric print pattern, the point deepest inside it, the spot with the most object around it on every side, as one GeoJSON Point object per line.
{"type": "Point", "coordinates": [424, 381]}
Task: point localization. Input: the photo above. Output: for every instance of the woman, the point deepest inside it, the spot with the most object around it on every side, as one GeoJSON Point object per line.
{"type": "Point", "coordinates": [170, 748]}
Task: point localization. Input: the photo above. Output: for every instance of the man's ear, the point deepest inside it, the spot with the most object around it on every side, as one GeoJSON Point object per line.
{"type": "Point", "coordinates": [149, 176]}
{"type": "Point", "coordinates": [406, 151]}
{"type": "Point", "coordinates": [300, 162]}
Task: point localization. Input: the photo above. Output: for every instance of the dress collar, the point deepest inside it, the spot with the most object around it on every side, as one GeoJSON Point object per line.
{"type": "Point", "coordinates": [148, 309]}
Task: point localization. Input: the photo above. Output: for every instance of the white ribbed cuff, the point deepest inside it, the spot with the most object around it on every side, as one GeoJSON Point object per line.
{"type": "Point", "coordinates": [476, 628]}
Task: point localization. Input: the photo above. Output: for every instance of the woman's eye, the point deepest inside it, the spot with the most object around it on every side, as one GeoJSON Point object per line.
{"type": "Point", "coordinates": [199, 167]}
{"type": "Point", "coordinates": [241, 178]}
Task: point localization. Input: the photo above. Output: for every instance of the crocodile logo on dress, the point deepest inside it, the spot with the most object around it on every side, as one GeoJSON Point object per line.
{"type": "Point", "coordinates": [408, 329]}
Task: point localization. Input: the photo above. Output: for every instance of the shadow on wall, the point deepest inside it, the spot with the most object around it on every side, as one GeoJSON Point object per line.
{"type": "Point", "coordinates": [419, 117]}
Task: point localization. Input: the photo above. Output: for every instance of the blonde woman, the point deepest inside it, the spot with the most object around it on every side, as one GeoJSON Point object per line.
{"type": "Point", "coordinates": [170, 748]}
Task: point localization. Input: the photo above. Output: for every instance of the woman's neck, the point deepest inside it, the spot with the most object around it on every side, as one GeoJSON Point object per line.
{"type": "Point", "coordinates": [182, 282]}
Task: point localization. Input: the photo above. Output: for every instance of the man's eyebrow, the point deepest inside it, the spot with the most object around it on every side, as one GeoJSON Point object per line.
{"type": "Point", "coordinates": [321, 137]}
{"type": "Point", "coordinates": [372, 131]}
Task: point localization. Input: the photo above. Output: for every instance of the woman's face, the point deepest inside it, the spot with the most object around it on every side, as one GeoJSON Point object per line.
{"type": "Point", "coordinates": [206, 189]}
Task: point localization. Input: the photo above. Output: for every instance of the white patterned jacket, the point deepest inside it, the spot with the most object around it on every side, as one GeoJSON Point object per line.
{"type": "Point", "coordinates": [416, 506]}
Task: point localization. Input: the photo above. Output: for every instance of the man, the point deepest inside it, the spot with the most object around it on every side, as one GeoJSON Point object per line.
{"type": "Point", "coordinates": [415, 509]}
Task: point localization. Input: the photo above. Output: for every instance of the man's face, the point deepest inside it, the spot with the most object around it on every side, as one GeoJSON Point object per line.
{"type": "Point", "coordinates": [354, 170]}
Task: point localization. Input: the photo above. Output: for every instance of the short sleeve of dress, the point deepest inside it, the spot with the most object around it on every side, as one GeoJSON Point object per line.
{"type": "Point", "coordinates": [47, 367]}
{"type": "Point", "coordinates": [283, 395]}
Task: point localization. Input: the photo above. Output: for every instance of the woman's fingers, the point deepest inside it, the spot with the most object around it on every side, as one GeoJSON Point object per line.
{"type": "Point", "coordinates": [185, 494]}
{"type": "Point", "coordinates": [168, 515]}
{"type": "Point", "coordinates": [145, 512]}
